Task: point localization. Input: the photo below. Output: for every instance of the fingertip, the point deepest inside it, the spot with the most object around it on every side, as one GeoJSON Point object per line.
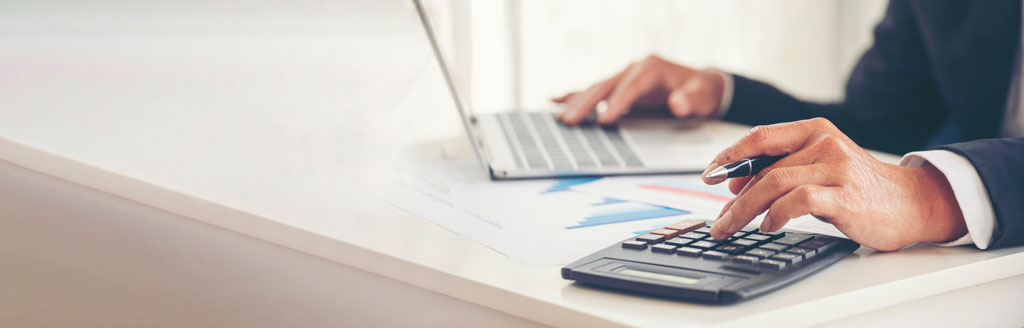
{"type": "Point", "coordinates": [766, 225]}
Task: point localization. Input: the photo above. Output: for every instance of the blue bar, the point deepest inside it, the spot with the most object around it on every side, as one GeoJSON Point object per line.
{"type": "Point", "coordinates": [564, 184]}
{"type": "Point", "coordinates": [629, 216]}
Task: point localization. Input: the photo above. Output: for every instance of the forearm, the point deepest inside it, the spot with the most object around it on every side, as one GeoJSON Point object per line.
{"type": "Point", "coordinates": [889, 125]}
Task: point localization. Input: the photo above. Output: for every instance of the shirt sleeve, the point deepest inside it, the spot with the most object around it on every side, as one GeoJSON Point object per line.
{"type": "Point", "coordinates": [969, 191]}
{"type": "Point", "coordinates": [727, 89]}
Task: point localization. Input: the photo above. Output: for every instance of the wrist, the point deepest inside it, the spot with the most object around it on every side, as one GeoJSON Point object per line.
{"type": "Point", "coordinates": [941, 219]}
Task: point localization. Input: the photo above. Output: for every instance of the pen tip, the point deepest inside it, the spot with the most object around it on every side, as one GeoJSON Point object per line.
{"type": "Point", "coordinates": [719, 173]}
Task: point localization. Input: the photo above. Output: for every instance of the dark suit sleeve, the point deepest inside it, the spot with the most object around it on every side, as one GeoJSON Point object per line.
{"type": "Point", "coordinates": [1000, 163]}
{"type": "Point", "coordinates": [892, 103]}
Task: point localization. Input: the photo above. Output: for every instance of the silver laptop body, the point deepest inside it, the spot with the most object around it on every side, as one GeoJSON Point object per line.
{"type": "Point", "coordinates": [525, 144]}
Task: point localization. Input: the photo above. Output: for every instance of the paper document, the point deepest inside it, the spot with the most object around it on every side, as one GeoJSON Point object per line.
{"type": "Point", "coordinates": [690, 193]}
{"type": "Point", "coordinates": [537, 222]}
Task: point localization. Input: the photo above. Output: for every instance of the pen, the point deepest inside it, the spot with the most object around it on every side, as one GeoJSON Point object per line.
{"type": "Point", "coordinates": [744, 168]}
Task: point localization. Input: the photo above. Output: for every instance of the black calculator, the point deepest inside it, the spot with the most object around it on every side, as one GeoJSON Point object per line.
{"type": "Point", "coordinates": [681, 261]}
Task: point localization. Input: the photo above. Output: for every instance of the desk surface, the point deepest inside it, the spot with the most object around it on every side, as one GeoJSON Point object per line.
{"type": "Point", "coordinates": [281, 127]}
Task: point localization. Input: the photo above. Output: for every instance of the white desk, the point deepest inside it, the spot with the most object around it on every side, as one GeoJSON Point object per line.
{"type": "Point", "coordinates": [280, 127]}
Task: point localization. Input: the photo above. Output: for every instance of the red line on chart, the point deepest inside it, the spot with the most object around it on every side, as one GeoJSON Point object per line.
{"type": "Point", "coordinates": [686, 192]}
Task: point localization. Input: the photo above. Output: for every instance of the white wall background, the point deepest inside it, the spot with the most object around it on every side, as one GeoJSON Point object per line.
{"type": "Point", "coordinates": [806, 47]}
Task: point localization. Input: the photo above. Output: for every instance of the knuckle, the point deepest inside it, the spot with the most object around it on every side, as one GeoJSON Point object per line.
{"type": "Point", "coordinates": [758, 134]}
{"type": "Point", "coordinates": [805, 197]}
{"type": "Point", "coordinates": [652, 58]}
{"type": "Point", "coordinates": [775, 179]}
{"type": "Point", "coordinates": [822, 123]}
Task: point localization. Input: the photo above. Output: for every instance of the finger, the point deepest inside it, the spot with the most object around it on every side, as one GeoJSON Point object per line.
{"type": "Point", "coordinates": [737, 184]}
{"type": "Point", "coordinates": [758, 196]}
{"type": "Point", "coordinates": [815, 200]}
{"type": "Point", "coordinates": [635, 83]}
{"type": "Point", "coordinates": [582, 104]}
{"type": "Point", "coordinates": [563, 98]}
{"type": "Point", "coordinates": [776, 139]}
{"type": "Point", "coordinates": [696, 98]}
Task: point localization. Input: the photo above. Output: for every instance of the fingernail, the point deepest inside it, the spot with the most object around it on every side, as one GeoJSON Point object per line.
{"type": "Point", "coordinates": [723, 224]}
{"type": "Point", "coordinates": [708, 169]}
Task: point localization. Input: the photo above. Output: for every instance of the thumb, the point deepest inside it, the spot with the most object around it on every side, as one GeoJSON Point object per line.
{"type": "Point", "coordinates": [697, 97]}
{"type": "Point", "coordinates": [679, 104]}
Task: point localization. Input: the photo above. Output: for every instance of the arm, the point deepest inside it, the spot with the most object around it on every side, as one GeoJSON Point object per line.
{"type": "Point", "coordinates": [999, 164]}
{"type": "Point", "coordinates": [892, 103]}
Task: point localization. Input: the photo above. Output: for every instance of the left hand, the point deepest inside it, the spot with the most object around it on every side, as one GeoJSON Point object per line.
{"type": "Point", "coordinates": [879, 205]}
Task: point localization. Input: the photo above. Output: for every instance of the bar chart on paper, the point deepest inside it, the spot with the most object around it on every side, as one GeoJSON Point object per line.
{"type": "Point", "coordinates": [618, 211]}
{"type": "Point", "coordinates": [675, 193]}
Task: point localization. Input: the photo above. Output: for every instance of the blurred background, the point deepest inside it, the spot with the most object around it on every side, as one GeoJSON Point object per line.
{"type": "Point", "coordinates": [518, 53]}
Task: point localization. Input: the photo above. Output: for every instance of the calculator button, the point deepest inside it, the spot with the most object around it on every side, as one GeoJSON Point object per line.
{"type": "Point", "coordinates": [689, 251]}
{"type": "Point", "coordinates": [745, 259]}
{"type": "Point", "coordinates": [819, 243]}
{"type": "Point", "coordinates": [694, 235]}
{"type": "Point", "coordinates": [703, 244]}
{"type": "Point", "coordinates": [749, 229]}
{"type": "Point", "coordinates": [650, 238]}
{"type": "Point", "coordinates": [772, 234]}
{"type": "Point", "coordinates": [687, 225]}
{"type": "Point", "coordinates": [668, 233]}
{"type": "Point", "coordinates": [744, 242]}
{"type": "Point", "coordinates": [679, 241]}
{"type": "Point", "coordinates": [793, 239]}
{"type": "Point", "coordinates": [729, 249]}
{"type": "Point", "coordinates": [761, 253]}
{"type": "Point", "coordinates": [713, 255]}
{"type": "Point", "coordinates": [757, 237]}
{"type": "Point", "coordinates": [774, 247]}
{"type": "Point", "coordinates": [704, 230]}
{"type": "Point", "coordinates": [807, 253]}
{"type": "Point", "coordinates": [786, 257]}
{"type": "Point", "coordinates": [663, 248]}
{"type": "Point", "coordinates": [772, 264]}
{"type": "Point", "coordinates": [633, 244]}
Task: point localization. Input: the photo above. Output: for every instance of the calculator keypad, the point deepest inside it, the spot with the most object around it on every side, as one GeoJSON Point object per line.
{"type": "Point", "coordinates": [772, 251]}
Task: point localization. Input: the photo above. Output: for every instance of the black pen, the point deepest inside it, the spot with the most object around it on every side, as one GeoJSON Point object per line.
{"type": "Point", "coordinates": [743, 168]}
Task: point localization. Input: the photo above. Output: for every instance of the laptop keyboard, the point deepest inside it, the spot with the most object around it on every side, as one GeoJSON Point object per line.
{"type": "Point", "coordinates": [539, 141]}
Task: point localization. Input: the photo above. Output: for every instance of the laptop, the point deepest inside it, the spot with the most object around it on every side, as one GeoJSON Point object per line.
{"type": "Point", "coordinates": [533, 144]}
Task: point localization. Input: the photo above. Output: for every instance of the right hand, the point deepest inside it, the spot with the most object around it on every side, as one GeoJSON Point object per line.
{"type": "Point", "coordinates": [652, 82]}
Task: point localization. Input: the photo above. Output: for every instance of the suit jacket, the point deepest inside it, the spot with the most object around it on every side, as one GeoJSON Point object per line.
{"type": "Point", "coordinates": [932, 63]}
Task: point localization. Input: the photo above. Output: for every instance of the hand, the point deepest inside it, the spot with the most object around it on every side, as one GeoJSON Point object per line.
{"type": "Point", "coordinates": [878, 205]}
{"type": "Point", "coordinates": [652, 82]}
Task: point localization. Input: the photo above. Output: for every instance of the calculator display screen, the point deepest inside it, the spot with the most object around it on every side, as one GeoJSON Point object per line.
{"type": "Point", "coordinates": [658, 276]}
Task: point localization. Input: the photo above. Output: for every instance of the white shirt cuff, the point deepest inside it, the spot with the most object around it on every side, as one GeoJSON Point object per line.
{"type": "Point", "coordinates": [969, 191]}
{"type": "Point", "coordinates": [727, 88]}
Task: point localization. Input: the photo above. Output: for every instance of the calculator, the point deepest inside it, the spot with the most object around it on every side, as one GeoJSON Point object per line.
{"type": "Point", "coordinates": [681, 261]}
